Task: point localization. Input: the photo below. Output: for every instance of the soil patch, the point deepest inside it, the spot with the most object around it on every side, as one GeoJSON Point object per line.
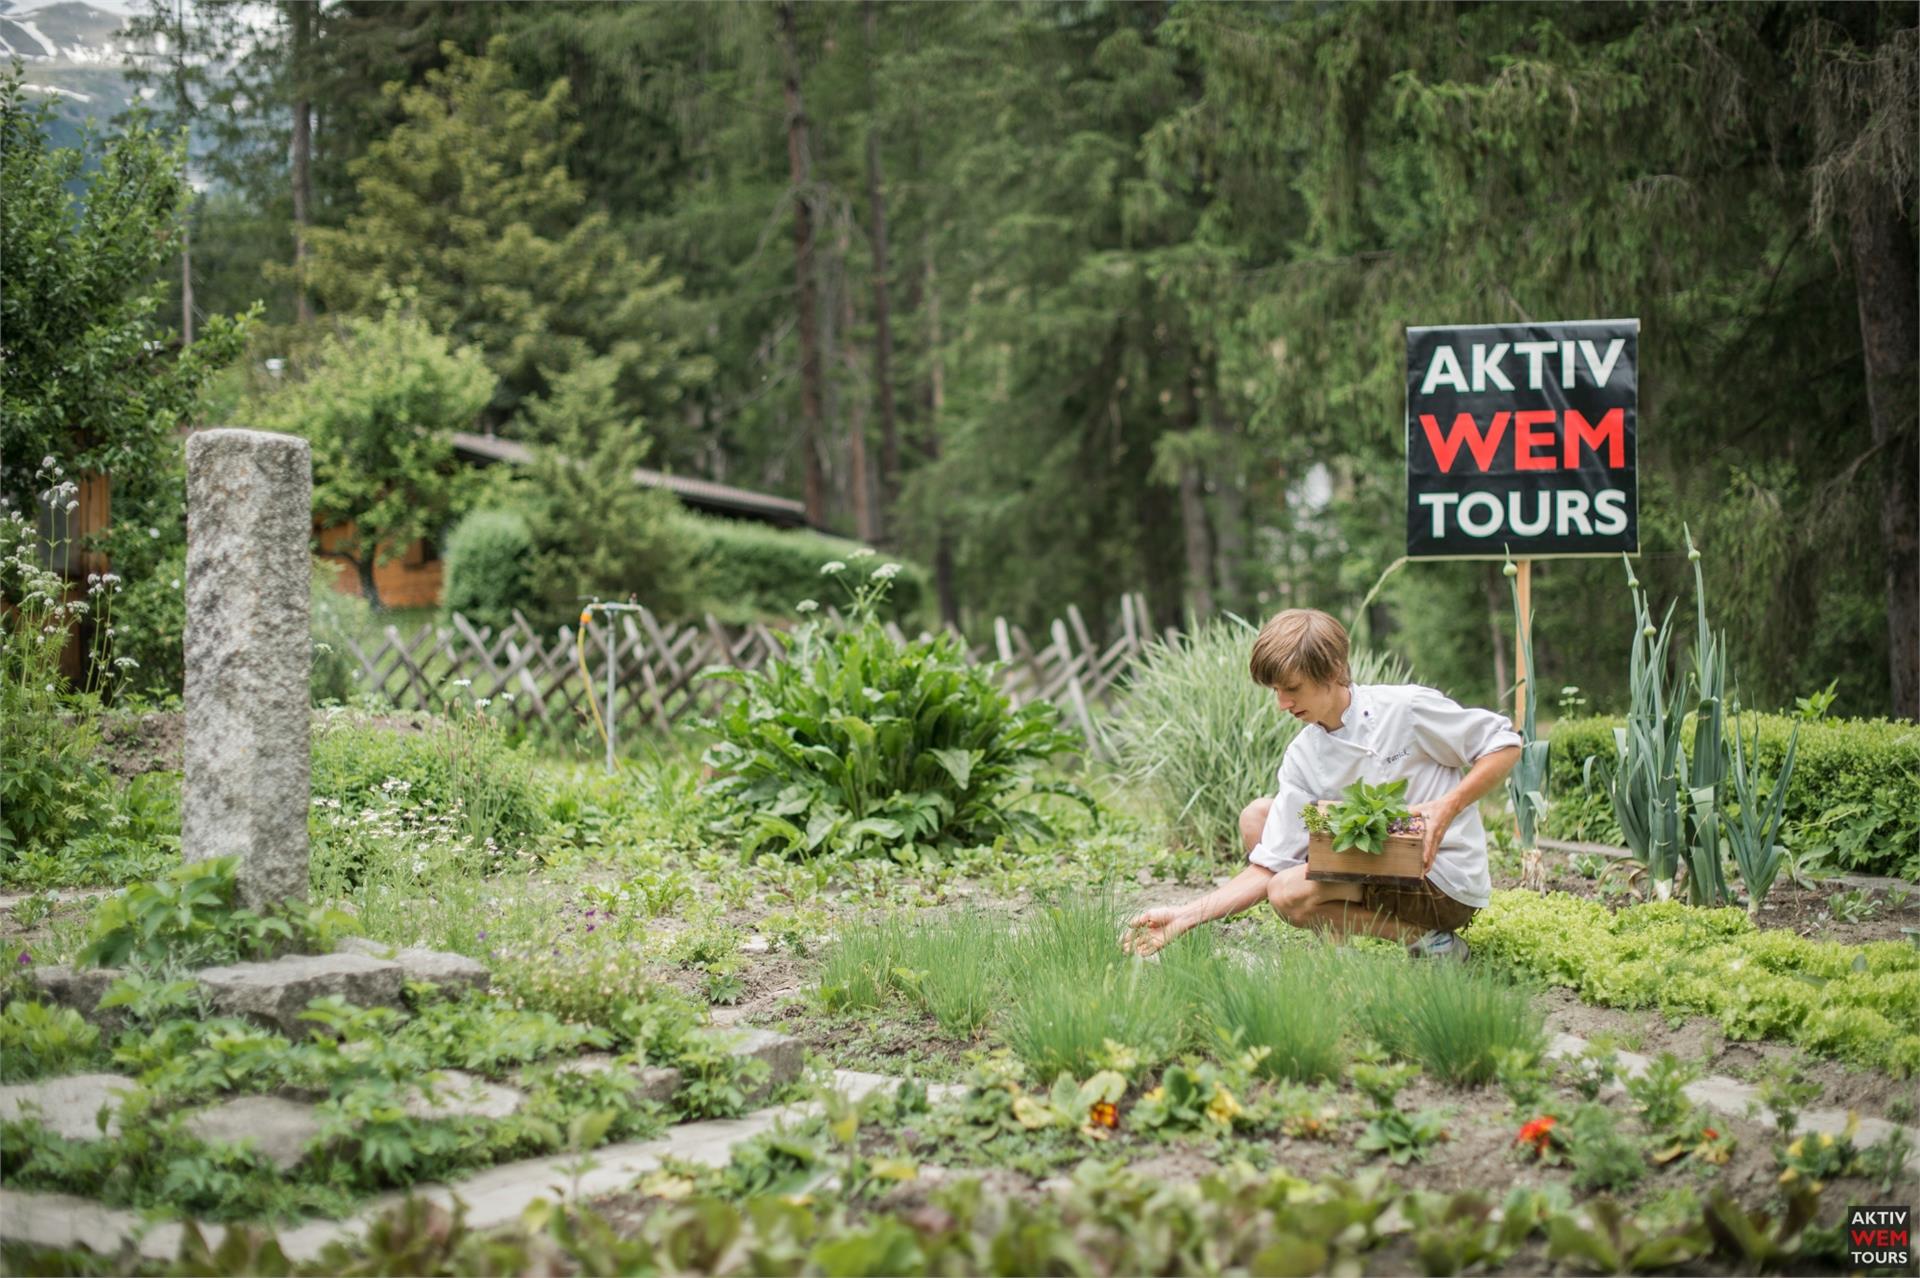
{"type": "Point", "coordinates": [132, 744]}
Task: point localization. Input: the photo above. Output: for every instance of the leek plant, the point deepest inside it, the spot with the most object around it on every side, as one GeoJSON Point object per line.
{"type": "Point", "coordinates": [1754, 838]}
{"type": "Point", "coordinates": [1706, 770]}
{"type": "Point", "coordinates": [1649, 759]}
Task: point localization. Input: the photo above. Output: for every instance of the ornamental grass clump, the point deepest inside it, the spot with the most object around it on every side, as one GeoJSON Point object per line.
{"type": "Point", "coordinates": [1458, 1021]}
{"type": "Point", "coordinates": [1271, 999]}
{"type": "Point", "coordinates": [1197, 736]}
{"type": "Point", "coordinates": [1075, 997]}
{"type": "Point", "coordinates": [850, 742]}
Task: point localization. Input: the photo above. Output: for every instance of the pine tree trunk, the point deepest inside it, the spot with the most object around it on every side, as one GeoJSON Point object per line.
{"type": "Point", "coordinates": [1230, 503]}
{"type": "Point", "coordinates": [301, 13]}
{"type": "Point", "coordinates": [1193, 521]}
{"type": "Point", "coordinates": [859, 480]}
{"type": "Point", "coordinates": [186, 278]}
{"type": "Point", "coordinates": [807, 300]}
{"type": "Point", "coordinates": [369, 589]}
{"type": "Point", "coordinates": [1884, 271]}
{"type": "Point", "coordinates": [882, 308]}
{"type": "Point", "coordinates": [943, 574]}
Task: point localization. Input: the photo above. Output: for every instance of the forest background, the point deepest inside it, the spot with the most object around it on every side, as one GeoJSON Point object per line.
{"type": "Point", "coordinates": [1065, 300]}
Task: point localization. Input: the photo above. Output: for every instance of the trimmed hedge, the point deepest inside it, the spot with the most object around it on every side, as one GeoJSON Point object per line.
{"type": "Point", "coordinates": [750, 571]}
{"type": "Point", "coordinates": [1854, 802]}
{"type": "Point", "coordinates": [489, 568]}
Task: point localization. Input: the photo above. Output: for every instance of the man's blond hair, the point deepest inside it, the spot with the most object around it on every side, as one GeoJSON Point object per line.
{"type": "Point", "coordinates": [1300, 644]}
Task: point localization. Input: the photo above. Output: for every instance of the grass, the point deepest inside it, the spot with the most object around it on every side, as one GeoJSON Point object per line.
{"type": "Point", "coordinates": [858, 970]}
{"type": "Point", "coordinates": [951, 968]}
{"type": "Point", "coordinates": [1279, 1000]}
{"type": "Point", "coordinates": [1454, 1019]}
{"type": "Point", "coordinates": [1074, 992]}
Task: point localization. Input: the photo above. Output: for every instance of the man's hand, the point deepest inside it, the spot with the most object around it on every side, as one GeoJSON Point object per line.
{"type": "Point", "coordinates": [1435, 816]}
{"type": "Point", "coordinates": [1149, 933]}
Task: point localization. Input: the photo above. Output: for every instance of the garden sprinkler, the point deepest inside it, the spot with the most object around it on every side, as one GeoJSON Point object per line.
{"type": "Point", "coordinates": [606, 724]}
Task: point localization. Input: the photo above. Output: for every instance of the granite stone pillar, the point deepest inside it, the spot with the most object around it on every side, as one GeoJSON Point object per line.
{"type": "Point", "coordinates": [249, 657]}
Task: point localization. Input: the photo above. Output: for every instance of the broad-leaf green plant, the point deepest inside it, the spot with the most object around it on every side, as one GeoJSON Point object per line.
{"type": "Point", "coordinates": [854, 743]}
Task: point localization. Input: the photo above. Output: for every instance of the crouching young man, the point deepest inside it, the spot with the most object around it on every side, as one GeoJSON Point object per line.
{"type": "Point", "coordinates": [1359, 732]}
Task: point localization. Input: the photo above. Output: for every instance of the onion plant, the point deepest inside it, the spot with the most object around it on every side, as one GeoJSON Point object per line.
{"type": "Point", "coordinates": [1073, 992]}
{"type": "Point", "coordinates": [1271, 999]}
{"type": "Point", "coordinates": [1457, 1020]}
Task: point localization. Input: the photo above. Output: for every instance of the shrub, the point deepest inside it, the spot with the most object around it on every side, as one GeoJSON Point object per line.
{"type": "Point", "coordinates": [150, 626]}
{"type": "Point", "coordinates": [334, 618]}
{"type": "Point", "coordinates": [1854, 802]}
{"type": "Point", "coordinates": [746, 572]}
{"type": "Point", "coordinates": [455, 770]}
{"type": "Point", "coordinates": [852, 743]}
{"type": "Point", "coordinates": [595, 532]}
{"type": "Point", "coordinates": [50, 786]}
{"type": "Point", "coordinates": [1457, 1021]}
{"type": "Point", "coordinates": [1200, 738]}
{"type": "Point", "coordinates": [488, 567]}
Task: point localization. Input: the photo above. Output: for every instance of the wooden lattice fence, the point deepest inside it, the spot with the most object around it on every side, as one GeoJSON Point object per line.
{"type": "Point", "coordinates": [535, 676]}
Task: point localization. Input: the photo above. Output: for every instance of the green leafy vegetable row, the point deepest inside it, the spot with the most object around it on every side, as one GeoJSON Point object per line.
{"type": "Point", "coordinates": [1859, 1003]}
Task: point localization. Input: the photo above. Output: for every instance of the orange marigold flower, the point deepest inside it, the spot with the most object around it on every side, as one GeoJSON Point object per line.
{"type": "Point", "coordinates": [1538, 1133]}
{"type": "Point", "coordinates": [1104, 1114]}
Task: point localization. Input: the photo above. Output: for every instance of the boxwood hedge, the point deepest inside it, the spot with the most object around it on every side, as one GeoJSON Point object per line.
{"type": "Point", "coordinates": [1854, 799]}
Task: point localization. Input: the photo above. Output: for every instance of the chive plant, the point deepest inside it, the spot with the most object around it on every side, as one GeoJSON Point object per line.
{"type": "Point", "coordinates": [1455, 1019]}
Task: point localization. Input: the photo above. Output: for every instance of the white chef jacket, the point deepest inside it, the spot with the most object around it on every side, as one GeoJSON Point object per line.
{"type": "Point", "coordinates": [1390, 732]}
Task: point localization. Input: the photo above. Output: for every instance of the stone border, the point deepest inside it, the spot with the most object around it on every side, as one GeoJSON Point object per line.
{"type": "Point", "coordinates": [493, 1197]}
{"type": "Point", "coordinates": [1731, 1097]}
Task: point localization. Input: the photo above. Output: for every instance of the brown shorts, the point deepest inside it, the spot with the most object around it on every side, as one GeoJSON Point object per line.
{"type": "Point", "coordinates": [1421, 904]}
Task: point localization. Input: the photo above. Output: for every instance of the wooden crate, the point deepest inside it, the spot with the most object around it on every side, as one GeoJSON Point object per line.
{"type": "Point", "coordinates": [1402, 861]}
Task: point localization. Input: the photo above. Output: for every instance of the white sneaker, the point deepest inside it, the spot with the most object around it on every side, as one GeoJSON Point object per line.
{"type": "Point", "coordinates": [1440, 945]}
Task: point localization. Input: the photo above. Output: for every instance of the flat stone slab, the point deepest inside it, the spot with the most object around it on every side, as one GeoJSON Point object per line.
{"type": "Point", "coordinates": [657, 1083]}
{"type": "Point", "coordinates": [280, 1130]}
{"type": "Point", "coordinates": [277, 992]}
{"type": "Point", "coordinates": [784, 1055]}
{"type": "Point", "coordinates": [458, 1094]}
{"type": "Point", "coordinates": [69, 1106]}
{"type": "Point", "coordinates": [449, 972]}
{"type": "Point", "coordinates": [79, 988]}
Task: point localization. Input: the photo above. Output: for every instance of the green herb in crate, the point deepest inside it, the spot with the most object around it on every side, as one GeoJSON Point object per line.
{"type": "Point", "coordinates": [1362, 820]}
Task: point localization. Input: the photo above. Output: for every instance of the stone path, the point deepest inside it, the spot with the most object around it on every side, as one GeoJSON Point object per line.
{"type": "Point", "coordinates": [493, 1198]}
{"type": "Point", "coordinates": [1731, 1096]}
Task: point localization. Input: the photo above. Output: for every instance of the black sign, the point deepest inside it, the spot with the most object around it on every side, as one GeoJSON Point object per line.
{"type": "Point", "coordinates": [1880, 1238]}
{"type": "Point", "coordinates": [1522, 438]}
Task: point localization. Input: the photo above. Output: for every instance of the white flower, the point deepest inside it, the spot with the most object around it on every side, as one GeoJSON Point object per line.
{"type": "Point", "coordinates": [484, 702]}
{"type": "Point", "coordinates": [126, 663]}
{"type": "Point", "coordinates": [176, 583]}
{"type": "Point", "coordinates": [46, 462]}
{"type": "Point", "coordinates": [865, 552]}
{"type": "Point", "coordinates": [463, 683]}
{"type": "Point", "coordinates": [885, 572]}
{"type": "Point", "coordinates": [154, 533]}
{"type": "Point", "coordinates": [72, 506]}
{"type": "Point", "coordinates": [807, 605]}
{"type": "Point", "coordinates": [831, 567]}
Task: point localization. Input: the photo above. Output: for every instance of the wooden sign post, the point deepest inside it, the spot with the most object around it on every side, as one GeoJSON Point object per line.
{"type": "Point", "coordinates": [1522, 639]}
